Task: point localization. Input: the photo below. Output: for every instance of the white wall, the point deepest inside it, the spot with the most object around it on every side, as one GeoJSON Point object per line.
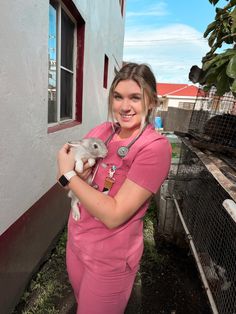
{"type": "Point", "coordinates": [173, 101]}
{"type": "Point", "coordinates": [104, 35]}
{"type": "Point", "coordinates": [199, 102]}
{"type": "Point", "coordinates": [28, 152]}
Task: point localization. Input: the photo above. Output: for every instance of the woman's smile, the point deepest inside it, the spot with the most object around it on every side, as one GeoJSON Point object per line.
{"type": "Point", "coordinates": [126, 117]}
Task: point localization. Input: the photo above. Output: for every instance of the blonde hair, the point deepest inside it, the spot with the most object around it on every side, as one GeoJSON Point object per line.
{"type": "Point", "coordinates": [144, 77]}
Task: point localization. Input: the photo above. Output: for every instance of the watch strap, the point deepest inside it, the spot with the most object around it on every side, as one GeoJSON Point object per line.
{"type": "Point", "coordinates": [65, 178]}
{"type": "Point", "coordinates": [70, 174]}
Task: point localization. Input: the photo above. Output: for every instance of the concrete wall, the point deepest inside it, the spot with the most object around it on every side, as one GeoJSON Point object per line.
{"type": "Point", "coordinates": [104, 34]}
{"type": "Point", "coordinates": [27, 243]}
{"type": "Point", "coordinates": [28, 151]}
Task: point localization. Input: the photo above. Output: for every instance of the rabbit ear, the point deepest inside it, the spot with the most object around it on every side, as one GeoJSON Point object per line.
{"type": "Point", "coordinates": [75, 143]}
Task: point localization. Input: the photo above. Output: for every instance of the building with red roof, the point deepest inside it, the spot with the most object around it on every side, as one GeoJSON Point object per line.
{"type": "Point", "coordinates": [182, 96]}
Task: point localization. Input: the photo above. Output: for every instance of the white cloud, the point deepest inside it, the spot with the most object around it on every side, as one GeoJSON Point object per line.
{"type": "Point", "coordinates": [158, 9]}
{"type": "Point", "coordinates": [170, 50]}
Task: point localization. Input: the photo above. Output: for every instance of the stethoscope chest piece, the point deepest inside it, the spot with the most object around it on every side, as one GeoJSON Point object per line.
{"type": "Point", "coordinates": [122, 151]}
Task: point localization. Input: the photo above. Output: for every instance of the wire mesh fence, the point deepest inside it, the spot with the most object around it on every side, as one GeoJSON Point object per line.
{"type": "Point", "coordinates": [213, 230]}
{"type": "Point", "coordinates": [213, 119]}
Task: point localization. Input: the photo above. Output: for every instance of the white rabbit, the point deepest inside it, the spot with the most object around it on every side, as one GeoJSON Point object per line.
{"type": "Point", "coordinates": [87, 149]}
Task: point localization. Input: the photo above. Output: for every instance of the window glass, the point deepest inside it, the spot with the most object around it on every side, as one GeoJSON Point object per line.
{"type": "Point", "coordinates": [52, 61]}
{"type": "Point", "coordinates": [67, 41]}
{"type": "Point", "coordinates": [66, 27]}
{"type": "Point", "coordinates": [66, 94]}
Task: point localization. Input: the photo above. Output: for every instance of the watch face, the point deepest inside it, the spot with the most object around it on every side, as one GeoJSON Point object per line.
{"type": "Point", "coordinates": [63, 181]}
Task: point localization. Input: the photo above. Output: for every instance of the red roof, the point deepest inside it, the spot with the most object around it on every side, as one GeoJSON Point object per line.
{"type": "Point", "coordinates": [168, 89]}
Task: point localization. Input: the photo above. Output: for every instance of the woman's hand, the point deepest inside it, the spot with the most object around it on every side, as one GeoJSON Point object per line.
{"type": "Point", "coordinates": [87, 169]}
{"type": "Point", "coordinates": [65, 160]}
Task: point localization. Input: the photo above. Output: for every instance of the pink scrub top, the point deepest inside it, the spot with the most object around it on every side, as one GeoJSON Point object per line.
{"type": "Point", "coordinates": [147, 163]}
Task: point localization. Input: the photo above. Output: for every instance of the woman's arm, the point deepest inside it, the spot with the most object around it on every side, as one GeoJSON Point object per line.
{"type": "Point", "coordinates": [112, 211]}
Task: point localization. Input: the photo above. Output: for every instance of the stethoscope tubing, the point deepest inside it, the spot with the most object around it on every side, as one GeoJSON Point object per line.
{"type": "Point", "coordinates": [122, 151]}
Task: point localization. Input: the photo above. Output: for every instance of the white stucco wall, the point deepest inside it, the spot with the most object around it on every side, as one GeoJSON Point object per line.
{"type": "Point", "coordinates": [173, 101]}
{"type": "Point", "coordinates": [28, 152]}
{"type": "Point", "coordinates": [199, 102]}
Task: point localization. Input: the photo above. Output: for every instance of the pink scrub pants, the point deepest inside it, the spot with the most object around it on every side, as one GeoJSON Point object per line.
{"type": "Point", "coordinates": [95, 293]}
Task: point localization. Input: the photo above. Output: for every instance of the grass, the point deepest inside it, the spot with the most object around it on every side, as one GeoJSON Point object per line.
{"type": "Point", "coordinates": [151, 260]}
{"type": "Point", "coordinates": [48, 286]}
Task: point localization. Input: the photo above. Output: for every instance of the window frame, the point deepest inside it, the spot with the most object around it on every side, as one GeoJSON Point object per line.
{"type": "Point", "coordinates": [186, 105]}
{"type": "Point", "coordinates": [105, 71]}
{"type": "Point", "coordinates": [122, 7]}
{"type": "Point", "coordinates": [78, 60]}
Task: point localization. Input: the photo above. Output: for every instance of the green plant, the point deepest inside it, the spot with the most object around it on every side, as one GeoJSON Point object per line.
{"type": "Point", "coordinates": [48, 286]}
{"type": "Point", "coordinates": [219, 69]}
{"type": "Point", "coordinates": [151, 262]}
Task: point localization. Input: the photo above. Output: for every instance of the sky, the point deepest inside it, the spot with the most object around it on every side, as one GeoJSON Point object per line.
{"type": "Point", "coordinates": [168, 35]}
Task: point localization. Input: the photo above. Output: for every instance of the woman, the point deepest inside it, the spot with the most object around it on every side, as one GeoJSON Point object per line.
{"type": "Point", "coordinates": [105, 245]}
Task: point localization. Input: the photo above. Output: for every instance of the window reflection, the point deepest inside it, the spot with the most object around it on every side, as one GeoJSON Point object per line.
{"type": "Point", "coordinates": [60, 63]}
{"type": "Point", "coordinates": [52, 59]}
{"type": "Point", "coordinates": [66, 94]}
{"type": "Point", "coordinates": [67, 46]}
{"type": "Point", "coordinates": [67, 41]}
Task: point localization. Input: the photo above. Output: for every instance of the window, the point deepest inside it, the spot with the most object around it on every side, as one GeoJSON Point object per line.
{"type": "Point", "coordinates": [105, 72]}
{"type": "Point", "coordinates": [122, 6]}
{"type": "Point", "coordinates": [66, 33]}
{"type": "Point", "coordinates": [186, 105]}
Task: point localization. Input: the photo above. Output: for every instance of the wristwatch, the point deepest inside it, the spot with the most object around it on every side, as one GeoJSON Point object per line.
{"type": "Point", "coordinates": [65, 178]}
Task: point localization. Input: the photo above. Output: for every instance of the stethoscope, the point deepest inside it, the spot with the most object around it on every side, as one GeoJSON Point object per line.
{"type": "Point", "coordinates": [122, 151]}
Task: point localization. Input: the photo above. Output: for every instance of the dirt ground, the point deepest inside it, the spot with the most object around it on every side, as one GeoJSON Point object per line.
{"type": "Point", "coordinates": [171, 285]}
{"type": "Point", "coordinates": [167, 283]}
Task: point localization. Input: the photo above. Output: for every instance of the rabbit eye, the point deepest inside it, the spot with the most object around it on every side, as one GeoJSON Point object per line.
{"type": "Point", "coordinates": [95, 146]}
